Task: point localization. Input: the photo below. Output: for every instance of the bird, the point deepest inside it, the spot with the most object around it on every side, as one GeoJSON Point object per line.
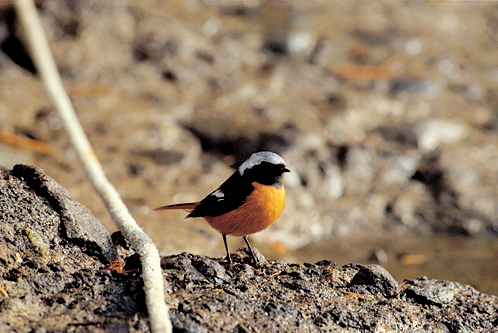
{"type": "Point", "coordinates": [249, 201]}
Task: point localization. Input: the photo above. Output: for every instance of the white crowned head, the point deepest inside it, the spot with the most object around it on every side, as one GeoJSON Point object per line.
{"type": "Point", "coordinates": [258, 158]}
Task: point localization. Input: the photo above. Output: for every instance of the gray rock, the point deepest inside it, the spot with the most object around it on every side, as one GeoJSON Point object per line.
{"type": "Point", "coordinates": [426, 292]}
{"type": "Point", "coordinates": [52, 256]}
{"type": "Point", "coordinates": [78, 223]}
{"type": "Point", "coordinates": [375, 278]}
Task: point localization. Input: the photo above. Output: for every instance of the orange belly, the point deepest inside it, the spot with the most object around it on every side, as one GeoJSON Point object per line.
{"type": "Point", "coordinates": [263, 207]}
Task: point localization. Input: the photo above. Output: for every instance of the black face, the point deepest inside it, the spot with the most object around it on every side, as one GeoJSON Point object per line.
{"type": "Point", "coordinates": [266, 173]}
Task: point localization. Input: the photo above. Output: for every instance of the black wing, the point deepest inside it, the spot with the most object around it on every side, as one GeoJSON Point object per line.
{"type": "Point", "coordinates": [230, 195]}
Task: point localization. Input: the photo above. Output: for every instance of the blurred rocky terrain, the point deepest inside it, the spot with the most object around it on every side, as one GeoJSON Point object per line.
{"type": "Point", "coordinates": [385, 112]}
{"type": "Point", "coordinates": [55, 277]}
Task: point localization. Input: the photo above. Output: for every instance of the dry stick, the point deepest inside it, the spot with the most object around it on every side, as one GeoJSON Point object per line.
{"type": "Point", "coordinates": [142, 244]}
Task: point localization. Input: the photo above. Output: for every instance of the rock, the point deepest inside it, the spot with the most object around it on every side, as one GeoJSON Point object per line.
{"type": "Point", "coordinates": [374, 278]}
{"type": "Point", "coordinates": [199, 269]}
{"type": "Point", "coordinates": [52, 256]}
{"type": "Point", "coordinates": [326, 263]}
{"type": "Point", "coordinates": [423, 292]}
{"type": "Point", "coordinates": [51, 283]}
{"type": "Point", "coordinates": [78, 223]}
{"type": "Point", "coordinates": [434, 132]}
{"type": "Point", "coordinates": [379, 256]}
{"type": "Point", "coordinates": [439, 297]}
{"type": "Point", "coordinates": [275, 296]}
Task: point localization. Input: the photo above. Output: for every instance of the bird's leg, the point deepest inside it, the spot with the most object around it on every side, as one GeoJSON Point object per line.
{"type": "Point", "coordinates": [226, 248]}
{"type": "Point", "coordinates": [250, 249]}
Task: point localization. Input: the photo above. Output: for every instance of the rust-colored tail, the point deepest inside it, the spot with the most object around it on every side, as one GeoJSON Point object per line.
{"type": "Point", "coordinates": [185, 206]}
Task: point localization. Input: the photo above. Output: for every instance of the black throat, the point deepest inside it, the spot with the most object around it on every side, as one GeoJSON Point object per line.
{"type": "Point", "coordinates": [265, 173]}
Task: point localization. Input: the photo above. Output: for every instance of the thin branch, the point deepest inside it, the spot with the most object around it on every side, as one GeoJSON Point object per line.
{"type": "Point", "coordinates": [141, 243]}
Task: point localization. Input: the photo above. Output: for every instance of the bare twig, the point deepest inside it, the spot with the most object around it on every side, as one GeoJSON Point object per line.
{"type": "Point", "coordinates": [142, 244]}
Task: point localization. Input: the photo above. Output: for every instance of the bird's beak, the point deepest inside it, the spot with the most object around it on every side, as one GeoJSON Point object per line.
{"type": "Point", "coordinates": [285, 170]}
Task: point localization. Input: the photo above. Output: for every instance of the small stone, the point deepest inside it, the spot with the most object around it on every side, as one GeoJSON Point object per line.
{"type": "Point", "coordinates": [379, 256]}
{"type": "Point", "coordinates": [433, 132]}
{"type": "Point", "coordinates": [431, 292]}
{"type": "Point", "coordinates": [473, 226]}
{"type": "Point", "coordinates": [211, 270]}
{"type": "Point", "coordinates": [243, 255]}
{"type": "Point", "coordinates": [326, 263]}
{"type": "Point", "coordinates": [377, 277]}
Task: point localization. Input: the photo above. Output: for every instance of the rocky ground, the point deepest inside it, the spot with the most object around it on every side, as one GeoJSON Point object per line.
{"type": "Point", "coordinates": [386, 113]}
{"type": "Point", "coordinates": [54, 278]}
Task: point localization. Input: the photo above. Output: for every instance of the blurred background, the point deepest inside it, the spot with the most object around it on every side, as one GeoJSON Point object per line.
{"type": "Point", "coordinates": [386, 113]}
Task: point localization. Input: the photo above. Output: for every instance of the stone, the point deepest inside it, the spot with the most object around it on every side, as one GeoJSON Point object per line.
{"type": "Point", "coordinates": [375, 278]}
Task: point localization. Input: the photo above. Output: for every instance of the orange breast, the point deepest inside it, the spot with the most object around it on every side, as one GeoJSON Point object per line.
{"type": "Point", "coordinates": [263, 207]}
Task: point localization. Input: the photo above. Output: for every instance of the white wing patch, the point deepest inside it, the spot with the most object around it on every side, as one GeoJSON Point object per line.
{"type": "Point", "coordinates": [220, 195]}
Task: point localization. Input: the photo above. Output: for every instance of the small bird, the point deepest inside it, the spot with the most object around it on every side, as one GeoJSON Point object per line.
{"type": "Point", "coordinates": [249, 201]}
